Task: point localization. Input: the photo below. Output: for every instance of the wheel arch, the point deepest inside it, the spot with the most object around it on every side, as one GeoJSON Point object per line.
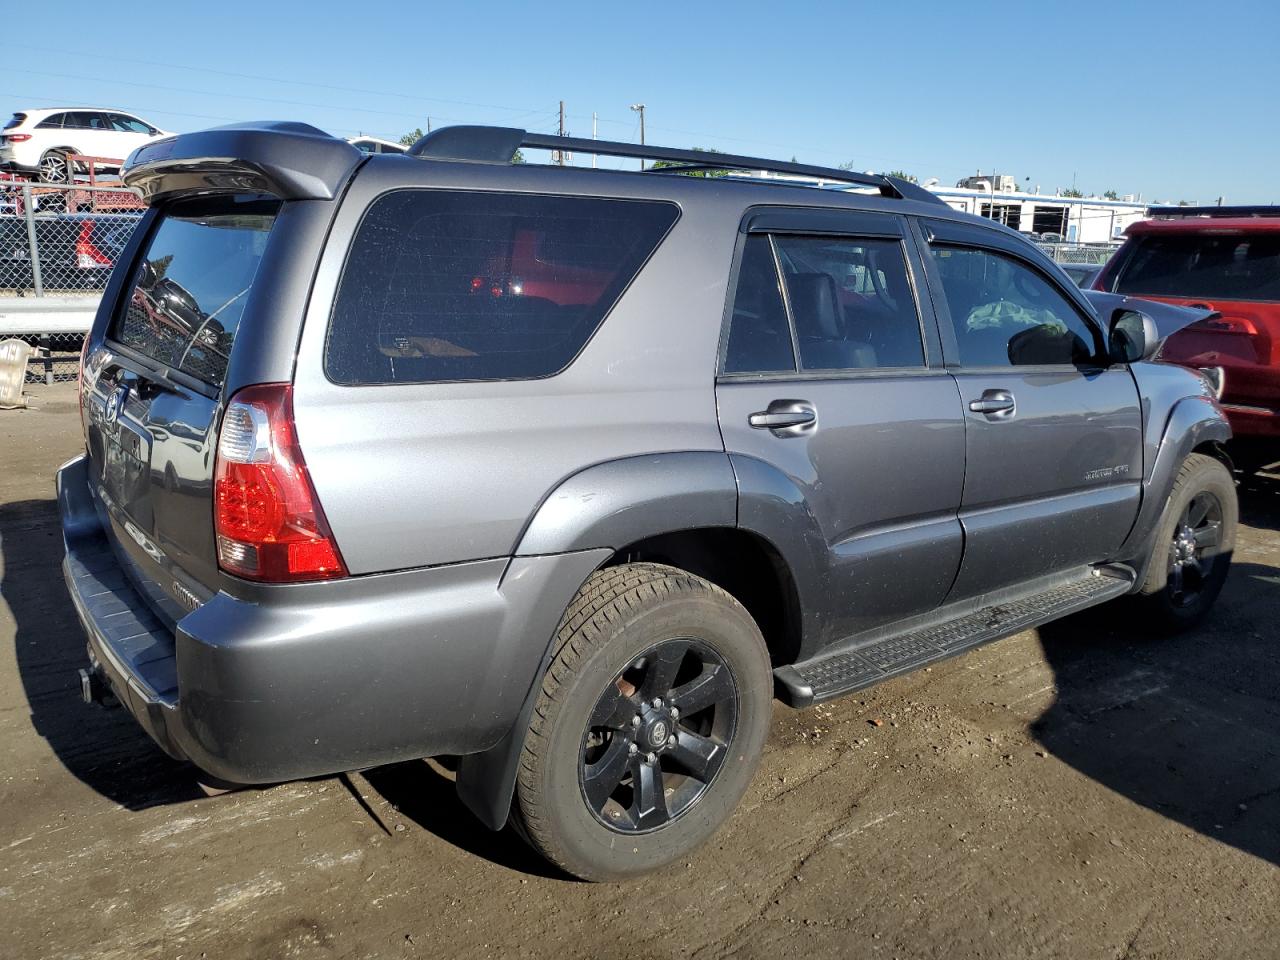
{"type": "Point", "coordinates": [684, 507]}
{"type": "Point", "coordinates": [1194, 425]}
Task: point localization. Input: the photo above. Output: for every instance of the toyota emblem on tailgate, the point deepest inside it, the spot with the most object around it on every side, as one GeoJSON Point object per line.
{"type": "Point", "coordinates": [114, 403]}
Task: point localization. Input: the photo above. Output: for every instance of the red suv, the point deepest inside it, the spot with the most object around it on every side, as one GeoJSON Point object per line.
{"type": "Point", "coordinates": [1226, 259]}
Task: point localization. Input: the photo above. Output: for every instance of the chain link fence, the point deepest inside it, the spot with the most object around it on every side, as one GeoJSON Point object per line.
{"type": "Point", "coordinates": [1091, 253]}
{"type": "Point", "coordinates": [62, 240]}
{"type": "Point", "coordinates": [58, 244]}
{"type": "Point", "coordinates": [54, 357]}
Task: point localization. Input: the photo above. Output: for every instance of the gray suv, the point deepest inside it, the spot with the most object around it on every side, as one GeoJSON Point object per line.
{"type": "Point", "coordinates": [567, 472]}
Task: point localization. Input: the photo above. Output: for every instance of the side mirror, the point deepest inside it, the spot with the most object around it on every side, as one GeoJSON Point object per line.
{"type": "Point", "coordinates": [1133, 336]}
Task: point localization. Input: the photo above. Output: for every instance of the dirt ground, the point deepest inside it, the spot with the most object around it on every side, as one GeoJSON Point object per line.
{"type": "Point", "coordinates": [1076, 791]}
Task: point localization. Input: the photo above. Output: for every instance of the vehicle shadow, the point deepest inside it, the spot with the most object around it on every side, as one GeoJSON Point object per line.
{"type": "Point", "coordinates": [1188, 726]}
{"type": "Point", "coordinates": [1260, 501]}
{"type": "Point", "coordinates": [425, 794]}
{"type": "Point", "coordinates": [104, 749]}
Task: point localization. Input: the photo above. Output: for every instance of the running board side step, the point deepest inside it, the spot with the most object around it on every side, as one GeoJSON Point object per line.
{"type": "Point", "coordinates": [849, 669]}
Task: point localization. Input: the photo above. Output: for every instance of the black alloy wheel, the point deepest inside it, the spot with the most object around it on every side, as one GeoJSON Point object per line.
{"type": "Point", "coordinates": [658, 736]}
{"type": "Point", "coordinates": [1197, 536]}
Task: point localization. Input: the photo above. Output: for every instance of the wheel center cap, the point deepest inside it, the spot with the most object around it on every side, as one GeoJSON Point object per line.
{"type": "Point", "coordinates": [656, 733]}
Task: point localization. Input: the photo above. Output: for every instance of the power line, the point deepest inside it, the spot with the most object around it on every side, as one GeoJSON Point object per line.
{"type": "Point", "coordinates": [249, 76]}
{"type": "Point", "coordinates": [239, 96]}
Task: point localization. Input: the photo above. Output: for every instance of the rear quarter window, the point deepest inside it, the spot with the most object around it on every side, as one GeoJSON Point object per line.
{"type": "Point", "coordinates": [459, 285]}
{"type": "Point", "coordinates": [1228, 266]}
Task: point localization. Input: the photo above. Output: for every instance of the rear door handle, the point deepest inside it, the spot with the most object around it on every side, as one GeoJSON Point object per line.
{"type": "Point", "coordinates": [785, 418]}
{"type": "Point", "coordinates": [998, 404]}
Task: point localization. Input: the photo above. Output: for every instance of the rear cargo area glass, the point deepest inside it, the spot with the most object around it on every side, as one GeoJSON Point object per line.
{"type": "Point", "coordinates": [1228, 266]}
{"type": "Point", "coordinates": [191, 284]}
{"type": "Point", "coordinates": [451, 285]}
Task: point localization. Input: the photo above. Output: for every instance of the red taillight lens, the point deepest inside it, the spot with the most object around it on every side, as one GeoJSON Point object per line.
{"type": "Point", "coordinates": [88, 256]}
{"type": "Point", "coordinates": [268, 521]}
{"type": "Point", "coordinates": [1225, 324]}
{"type": "Point", "coordinates": [17, 137]}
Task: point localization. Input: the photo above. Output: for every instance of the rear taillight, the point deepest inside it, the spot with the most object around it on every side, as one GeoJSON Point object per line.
{"type": "Point", "coordinates": [16, 137]}
{"type": "Point", "coordinates": [1225, 324]}
{"type": "Point", "coordinates": [88, 256]}
{"type": "Point", "coordinates": [267, 518]}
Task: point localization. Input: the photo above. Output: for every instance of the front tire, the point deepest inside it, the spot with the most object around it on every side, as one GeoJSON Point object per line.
{"type": "Point", "coordinates": [1193, 546]}
{"type": "Point", "coordinates": [649, 725]}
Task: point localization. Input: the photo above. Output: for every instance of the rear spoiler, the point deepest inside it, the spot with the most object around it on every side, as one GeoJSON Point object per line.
{"type": "Point", "coordinates": [292, 161]}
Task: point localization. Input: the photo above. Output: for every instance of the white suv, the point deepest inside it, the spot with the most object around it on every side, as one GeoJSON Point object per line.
{"type": "Point", "coordinates": [38, 141]}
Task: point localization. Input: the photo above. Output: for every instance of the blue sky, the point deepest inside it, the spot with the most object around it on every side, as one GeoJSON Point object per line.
{"type": "Point", "coordinates": [1174, 99]}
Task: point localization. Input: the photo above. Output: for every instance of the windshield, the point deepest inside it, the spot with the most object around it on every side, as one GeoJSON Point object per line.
{"type": "Point", "coordinates": [1215, 267]}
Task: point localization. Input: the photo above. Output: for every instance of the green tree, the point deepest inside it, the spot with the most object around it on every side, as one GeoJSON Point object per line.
{"type": "Point", "coordinates": [660, 164]}
{"type": "Point", "coordinates": [1071, 192]}
{"type": "Point", "coordinates": [903, 175]}
{"type": "Point", "coordinates": [1111, 195]}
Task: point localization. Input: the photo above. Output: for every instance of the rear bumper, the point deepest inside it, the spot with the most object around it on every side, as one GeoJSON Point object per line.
{"type": "Point", "coordinates": [311, 679]}
{"type": "Point", "coordinates": [1250, 421]}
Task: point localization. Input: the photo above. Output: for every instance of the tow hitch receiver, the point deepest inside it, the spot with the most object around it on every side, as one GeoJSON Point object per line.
{"type": "Point", "coordinates": [94, 687]}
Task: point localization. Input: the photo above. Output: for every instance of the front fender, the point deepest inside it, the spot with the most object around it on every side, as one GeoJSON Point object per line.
{"type": "Point", "coordinates": [1193, 422]}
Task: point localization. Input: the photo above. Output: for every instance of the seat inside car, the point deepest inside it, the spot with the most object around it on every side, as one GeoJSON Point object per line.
{"type": "Point", "coordinates": [820, 328]}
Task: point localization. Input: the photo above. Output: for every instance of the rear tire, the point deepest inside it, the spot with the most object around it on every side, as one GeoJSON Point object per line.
{"type": "Point", "coordinates": [1193, 546]}
{"type": "Point", "coordinates": [54, 167]}
{"type": "Point", "coordinates": [616, 780]}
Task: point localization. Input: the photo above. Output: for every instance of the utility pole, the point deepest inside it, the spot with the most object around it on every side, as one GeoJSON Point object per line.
{"type": "Point", "coordinates": [560, 153]}
{"type": "Point", "coordinates": [594, 121]}
{"type": "Point", "coordinates": [639, 108]}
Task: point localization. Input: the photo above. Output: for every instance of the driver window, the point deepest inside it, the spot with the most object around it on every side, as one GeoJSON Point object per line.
{"type": "Point", "coordinates": [1006, 314]}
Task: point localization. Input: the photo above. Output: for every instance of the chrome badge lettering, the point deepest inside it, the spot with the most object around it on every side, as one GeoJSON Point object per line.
{"type": "Point", "coordinates": [1106, 473]}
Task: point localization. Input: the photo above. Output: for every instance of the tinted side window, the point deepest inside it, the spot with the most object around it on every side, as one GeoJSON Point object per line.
{"type": "Point", "coordinates": [122, 123]}
{"type": "Point", "coordinates": [852, 303]}
{"type": "Point", "coordinates": [759, 334]}
{"type": "Point", "coordinates": [1006, 314]}
{"type": "Point", "coordinates": [53, 122]}
{"type": "Point", "coordinates": [450, 285]}
{"type": "Point", "coordinates": [190, 287]}
{"type": "Point", "coordinates": [83, 120]}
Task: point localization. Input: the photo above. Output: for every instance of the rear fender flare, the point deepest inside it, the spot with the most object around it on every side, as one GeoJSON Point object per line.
{"type": "Point", "coordinates": [619, 502]}
{"type": "Point", "coordinates": [590, 515]}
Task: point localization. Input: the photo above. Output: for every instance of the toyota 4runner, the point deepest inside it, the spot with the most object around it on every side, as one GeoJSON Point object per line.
{"type": "Point", "coordinates": [566, 472]}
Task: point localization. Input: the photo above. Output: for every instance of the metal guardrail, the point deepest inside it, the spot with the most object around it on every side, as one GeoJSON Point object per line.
{"type": "Point", "coordinates": [54, 328]}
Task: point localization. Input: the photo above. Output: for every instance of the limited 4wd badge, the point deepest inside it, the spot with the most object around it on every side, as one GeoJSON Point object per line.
{"type": "Point", "coordinates": [1104, 473]}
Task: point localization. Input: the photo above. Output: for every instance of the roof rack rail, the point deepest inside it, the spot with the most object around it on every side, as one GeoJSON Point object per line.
{"type": "Point", "coordinates": [1178, 213]}
{"type": "Point", "coordinates": [482, 144]}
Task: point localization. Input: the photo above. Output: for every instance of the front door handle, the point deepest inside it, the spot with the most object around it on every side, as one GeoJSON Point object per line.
{"type": "Point", "coordinates": [998, 404]}
{"type": "Point", "coordinates": [785, 418]}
